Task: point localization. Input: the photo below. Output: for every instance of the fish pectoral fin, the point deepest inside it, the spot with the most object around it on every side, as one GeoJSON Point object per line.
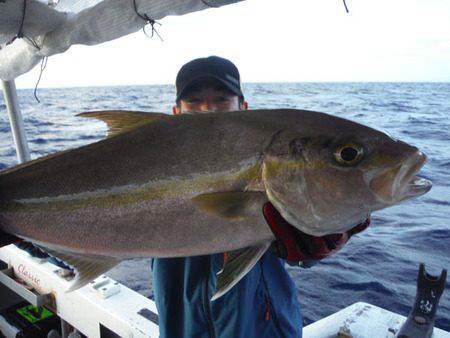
{"type": "Point", "coordinates": [120, 121]}
{"type": "Point", "coordinates": [236, 267]}
{"type": "Point", "coordinates": [231, 205]}
{"type": "Point", "coordinates": [87, 268]}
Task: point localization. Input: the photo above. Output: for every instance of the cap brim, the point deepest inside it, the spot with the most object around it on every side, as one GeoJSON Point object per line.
{"type": "Point", "coordinates": [229, 85]}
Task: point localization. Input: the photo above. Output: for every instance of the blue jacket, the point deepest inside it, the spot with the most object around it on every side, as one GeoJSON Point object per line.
{"type": "Point", "coordinates": [262, 304]}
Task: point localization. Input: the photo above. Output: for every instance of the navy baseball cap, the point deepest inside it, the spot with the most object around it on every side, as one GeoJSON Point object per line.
{"type": "Point", "coordinates": [214, 67]}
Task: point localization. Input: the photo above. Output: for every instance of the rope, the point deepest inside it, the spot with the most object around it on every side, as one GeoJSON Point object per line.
{"type": "Point", "coordinates": [149, 21]}
{"type": "Point", "coordinates": [43, 65]}
{"type": "Point", "coordinates": [20, 34]}
{"type": "Point", "coordinates": [206, 3]}
{"type": "Point", "coordinates": [345, 5]}
{"type": "Point", "coordinates": [24, 9]}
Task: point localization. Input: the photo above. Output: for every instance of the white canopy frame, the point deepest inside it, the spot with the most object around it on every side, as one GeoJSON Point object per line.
{"type": "Point", "coordinates": [31, 30]}
{"type": "Point", "coordinates": [16, 121]}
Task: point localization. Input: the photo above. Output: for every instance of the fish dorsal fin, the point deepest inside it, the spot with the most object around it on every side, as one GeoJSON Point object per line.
{"type": "Point", "coordinates": [87, 268]}
{"type": "Point", "coordinates": [231, 205]}
{"type": "Point", "coordinates": [236, 267]}
{"type": "Point", "coordinates": [120, 121]}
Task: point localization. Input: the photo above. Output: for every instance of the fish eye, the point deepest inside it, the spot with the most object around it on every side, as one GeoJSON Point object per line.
{"type": "Point", "coordinates": [348, 154]}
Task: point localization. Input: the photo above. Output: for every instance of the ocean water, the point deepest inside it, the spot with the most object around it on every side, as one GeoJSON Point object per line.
{"type": "Point", "coordinates": [378, 266]}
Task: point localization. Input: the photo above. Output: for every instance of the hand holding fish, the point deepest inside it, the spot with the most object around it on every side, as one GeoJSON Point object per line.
{"type": "Point", "coordinates": [296, 246]}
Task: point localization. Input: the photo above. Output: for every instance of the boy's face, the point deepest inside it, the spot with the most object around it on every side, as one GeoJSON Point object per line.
{"type": "Point", "coordinates": [208, 96]}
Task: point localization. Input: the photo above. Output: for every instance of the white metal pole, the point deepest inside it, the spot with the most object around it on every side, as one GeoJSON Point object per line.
{"type": "Point", "coordinates": [15, 119]}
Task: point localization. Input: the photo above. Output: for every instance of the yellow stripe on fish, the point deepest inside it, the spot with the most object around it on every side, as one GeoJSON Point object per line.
{"type": "Point", "coordinates": [165, 189]}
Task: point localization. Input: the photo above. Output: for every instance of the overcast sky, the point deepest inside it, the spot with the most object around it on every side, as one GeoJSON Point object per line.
{"type": "Point", "coordinates": [274, 41]}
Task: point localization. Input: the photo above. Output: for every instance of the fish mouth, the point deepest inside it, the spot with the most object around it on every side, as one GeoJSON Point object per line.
{"type": "Point", "coordinates": [416, 187]}
{"type": "Point", "coordinates": [400, 183]}
{"type": "Point", "coordinates": [410, 184]}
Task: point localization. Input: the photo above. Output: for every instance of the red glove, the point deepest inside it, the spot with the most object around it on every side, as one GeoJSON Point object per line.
{"type": "Point", "coordinates": [294, 245]}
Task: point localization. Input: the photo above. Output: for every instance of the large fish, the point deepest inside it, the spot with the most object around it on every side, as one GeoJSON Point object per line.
{"type": "Point", "coordinates": [171, 186]}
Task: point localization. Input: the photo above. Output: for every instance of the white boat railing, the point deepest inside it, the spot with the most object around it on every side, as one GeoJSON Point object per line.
{"type": "Point", "coordinates": [15, 119]}
{"type": "Point", "coordinates": [103, 305]}
{"type": "Point", "coordinates": [361, 320]}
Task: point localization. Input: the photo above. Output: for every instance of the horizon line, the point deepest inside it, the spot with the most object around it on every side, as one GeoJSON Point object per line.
{"type": "Point", "coordinates": [244, 83]}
